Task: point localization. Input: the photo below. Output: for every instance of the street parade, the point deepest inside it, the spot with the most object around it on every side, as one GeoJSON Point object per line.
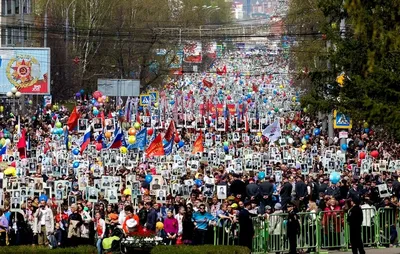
{"type": "Point", "coordinates": [238, 153]}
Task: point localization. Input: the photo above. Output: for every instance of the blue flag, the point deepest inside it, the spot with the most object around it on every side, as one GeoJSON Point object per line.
{"type": "Point", "coordinates": [168, 147]}
{"type": "Point", "coordinates": [141, 139]}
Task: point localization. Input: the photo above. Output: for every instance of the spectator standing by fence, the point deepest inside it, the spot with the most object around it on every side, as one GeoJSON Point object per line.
{"type": "Point", "coordinates": [355, 219]}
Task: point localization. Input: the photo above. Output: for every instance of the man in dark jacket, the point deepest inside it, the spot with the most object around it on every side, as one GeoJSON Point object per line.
{"type": "Point", "coordinates": [142, 213]}
{"type": "Point", "coordinates": [252, 190]}
{"type": "Point", "coordinates": [301, 192]}
{"type": "Point", "coordinates": [293, 228]}
{"type": "Point", "coordinates": [151, 217]}
{"type": "Point", "coordinates": [246, 232]}
{"type": "Point", "coordinates": [266, 191]}
{"type": "Point", "coordinates": [354, 194]}
{"type": "Point", "coordinates": [237, 188]}
{"type": "Point", "coordinates": [286, 193]}
{"type": "Point", "coordinates": [355, 219]}
{"type": "Point", "coordinates": [333, 191]}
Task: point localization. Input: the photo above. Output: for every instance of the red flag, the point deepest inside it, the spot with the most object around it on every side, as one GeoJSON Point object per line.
{"type": "Point", "coordinates": [22, 144]}
{"type": "Point", "coordinates": [156, 147]}
{"type": "Point", "coordinates": [169, 134]}
{"type": "Point", "coordinates": [198, 144]}
{"type": "Point", "coordinates": [73, 119]}
{"type": "Point", "coordinates": [224, 70]}
{"type": "Point", "coordinates": [207, 83]}
{"type": "Point", "coordinates": [219, 72]}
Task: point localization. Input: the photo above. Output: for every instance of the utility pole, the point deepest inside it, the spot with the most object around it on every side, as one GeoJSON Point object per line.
{"type": "Point", "coordinates": [21, 10]}
{"type": "Point", "coordinates": [45, 24]}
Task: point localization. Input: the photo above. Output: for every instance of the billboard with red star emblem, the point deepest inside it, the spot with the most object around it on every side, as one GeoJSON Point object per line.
{"type": "Point", "coordinates": [27, 69]}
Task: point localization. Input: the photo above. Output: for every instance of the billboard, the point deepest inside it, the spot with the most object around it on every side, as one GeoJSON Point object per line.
{"type": "Point", "coordinates": [119, 87]}
{"type": "Point", "coordinates": [27, 69]}
{"type": "Point", "coordinates": [192, 52]}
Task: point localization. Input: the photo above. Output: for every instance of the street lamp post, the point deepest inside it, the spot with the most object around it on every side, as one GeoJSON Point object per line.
{"type": "Point", "coordinates": [14, 94]}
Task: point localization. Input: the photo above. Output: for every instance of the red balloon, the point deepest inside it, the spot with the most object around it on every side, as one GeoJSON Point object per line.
{"type": "Point", "coordinates": [97, 94]}
{"type": "Point", "coordinates": [150, 132]}
{"type": "Point", "coordinates": [13, 164]}
{"type": "Point", "coordinates": [375, 154]}
{"type": "Point", "coordinates": [99, 146]}
{"type": "Point", "coordinates": [362, 155]}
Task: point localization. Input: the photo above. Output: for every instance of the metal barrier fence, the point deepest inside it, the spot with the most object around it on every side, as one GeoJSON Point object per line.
{"type": "Point", "coordinates": [319, 232]}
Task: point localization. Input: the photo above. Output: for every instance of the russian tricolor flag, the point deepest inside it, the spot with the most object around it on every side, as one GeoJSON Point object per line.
{"type": "Point", "coordinates": [86, 139]}
{"type": "Point", "coordinates": [117, 141]}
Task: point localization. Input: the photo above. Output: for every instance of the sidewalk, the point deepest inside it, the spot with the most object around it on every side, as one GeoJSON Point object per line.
{"type": "Point", "coordinates": [373, 251]}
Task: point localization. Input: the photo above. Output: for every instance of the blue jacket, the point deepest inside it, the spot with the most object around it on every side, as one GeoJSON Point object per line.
{"type": "Point", "coordinates": [202, 220]}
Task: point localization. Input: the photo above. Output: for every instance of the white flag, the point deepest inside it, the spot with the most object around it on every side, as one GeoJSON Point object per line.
{"type": "Point", "coordinates": [273, 131]}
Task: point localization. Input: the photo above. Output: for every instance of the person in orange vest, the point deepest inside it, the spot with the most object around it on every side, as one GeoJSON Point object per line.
{"type": "Point", "coordinates": [131, 223]}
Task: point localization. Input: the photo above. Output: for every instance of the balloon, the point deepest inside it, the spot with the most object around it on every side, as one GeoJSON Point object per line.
{"type": "Point", "coordinates": [131, 131]}
{"type": "Point", "coordinates": [362, 155]}
{"type": "Point", "coordinates": [317, 131]}
{"type": "Point", "coordinates": [127, 192]}
{"type": "Point", "coordinates": [198, 182]}
{"type": "Point", "coordinates": [334, 177]}
{"type": "Point", "coordinates": [261, 175]}
{"type": "Point", "coordinates": [75, 151]}
{"type": "Point", "coordinates": [366, 130]}
{"type": "Point", "coordinates": [8, 141]}
{"type": "Point", "coordinates": [148, 178]}
{"type": "Point", "coordinates": [304, 147]}
{"type": "Point", "coordinates": [58, 124]}
{"type": "Point", "coordinates": [13, 164]}
{"type": "Point", "coordinates": [181, 143]}
{"type": "Point", "coordinates": [10, 171]}
{"type": "Point", "coordinates": [1, 108]}
{"type": "Point", "coordinates": [95, 112]}
{"type": "Point", "coordinates": [97, 95]}
{"type": "Point", "coordinates": [172, 102]}
{"type": "Point", "coordinates": [131, 140]}
{"type": "Point", "coordinates": [150, 132]}
{"type": "Point", "coordinates": [137, 126]}
{"type": "Point", "coordinates": [375, 154]}
{"type": "Point", "coordinates": [226, 143]}
{"type": "Point", "coordinates": [290, 141]}
{"type": "Point", "coordinates": [16, 127]}
{"type": "Point", "coordinates": [304, 141]}
{"type": "Point", "coordinates": [108, 134]}
{"type": "Point", "coordinates": [78, 94]}
{"type": "Point", "coordinates": [99, 146]}
{"type": "Point", "coordinates": [344, 147]}
{"type": "Point", "coordinates": [226, 148]}
{"type": "Point", "coordinates": [123, 150]}
{"type": "Point", "coordinates": [82, 91]}
{"type": "Point", "coordinates": [366, 125]}
{"type": "Point", "coordinates": [43, 197]}
{"type": "Point", "coordinates": [307, 137]}
{"type": "Point", "coordinates": [156, 104]}
{"type": "Point", "coordinates": [75, 164]}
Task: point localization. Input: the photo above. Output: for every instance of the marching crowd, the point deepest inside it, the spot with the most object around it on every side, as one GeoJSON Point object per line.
{"type": "Point", "coordinates": [296, 175]}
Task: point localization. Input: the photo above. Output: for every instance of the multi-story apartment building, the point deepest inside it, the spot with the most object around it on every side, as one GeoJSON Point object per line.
{"type": "Point", "coordinates": [17, 22]}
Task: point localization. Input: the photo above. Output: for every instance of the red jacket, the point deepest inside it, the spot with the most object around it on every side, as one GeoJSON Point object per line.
{"type": "Point", "coordinates": [333, 218]}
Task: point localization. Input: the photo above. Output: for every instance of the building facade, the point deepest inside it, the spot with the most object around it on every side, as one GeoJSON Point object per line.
{"type": "Point", "coordinates": [17, 21]}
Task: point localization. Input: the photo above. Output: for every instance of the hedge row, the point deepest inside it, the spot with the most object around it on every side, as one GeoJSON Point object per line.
{"type": "Point", "coordinates": [200, 249]}
{"type": "Point", "coordinates": [46, 250]}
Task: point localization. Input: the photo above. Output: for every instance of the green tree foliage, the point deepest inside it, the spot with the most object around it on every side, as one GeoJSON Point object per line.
{"type": "Point", "coordinates": [366, 50]}
{"type": "Point", "coordinates": [119, 39]}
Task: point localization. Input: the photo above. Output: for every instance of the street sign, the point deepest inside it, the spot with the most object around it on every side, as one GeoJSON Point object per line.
{"type": "Point", "coordinates": [343, 134]}
{"type": "Point", "coordinates": [154, 96]}
{"type": "Point", "coordinates": [144, 99]}
{"type": "Point", "coordinates": [341, 121]}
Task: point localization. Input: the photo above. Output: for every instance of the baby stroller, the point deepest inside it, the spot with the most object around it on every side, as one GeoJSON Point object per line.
{"type": "Point", "coordinates": [112, 244]}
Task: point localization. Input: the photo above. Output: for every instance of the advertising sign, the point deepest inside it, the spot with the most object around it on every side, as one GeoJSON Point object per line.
{"type": "Point", "coordinates": [119, 87]}
{"type": "Point", "coordinates": [27, 69]}
{"type": "Point", "coordinates": [192, 52]}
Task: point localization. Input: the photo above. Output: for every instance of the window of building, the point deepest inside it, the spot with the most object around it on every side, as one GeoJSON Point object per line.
{"type": "Point", "coordinates": [269, 4]}
{"type": "Point", "coordinates": [27, 6]}
{"type": "Point", "coordinates": [16, 6]}
{"type": "Point", "coordinates": [9, 36]}
{"type": "Point", "coordinates": [8, 6]}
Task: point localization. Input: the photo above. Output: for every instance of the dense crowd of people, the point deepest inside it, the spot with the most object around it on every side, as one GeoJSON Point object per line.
{"type": "Point", "coordinates": [64, 188]}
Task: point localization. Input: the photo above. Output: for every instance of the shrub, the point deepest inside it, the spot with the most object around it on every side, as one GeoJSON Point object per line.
{"type": "Point", "coordinates": [200, 249]}
{"type": "Point", "coordinates": [46, 250]}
